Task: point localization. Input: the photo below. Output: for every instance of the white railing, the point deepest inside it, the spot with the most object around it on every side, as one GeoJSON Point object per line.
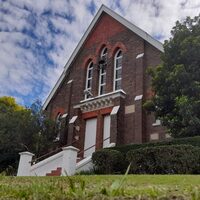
{"type": "Point", "coordinates": [66, 159]}
{"type": "Point", "coordinates": [42, 168]}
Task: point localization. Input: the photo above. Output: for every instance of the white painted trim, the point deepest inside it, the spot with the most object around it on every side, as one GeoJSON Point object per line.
{"type": "Point", "coordinates": [129, 109]}
{"type": "Point", "coordinates": [64, 115]}
{"type": "Point", "coordinates": [46, 161]}
{"type": "Point", "coordinates": [120, 19]}
{"type": "Point", "coordinates": [154, 136]}
{"type": "Point", "coordinates": [111, 145]}
{"type": "Point", "coordinates": [70, 81]}
{"type": "Point", "coordinates": [140, 55]}
{"type": "Point", "coordinates": [80, 165]}
{"type": "Point", "coordinates": [26, 153]}
{"type": "Point", "coordinates": [115, 110]}
{"type": "Point", "coordinates": [24, 164]}
{"type": "Point", "coordinates": [133, 28]}
{"type": "Point", "coordinates": [139, 97]}
{"type": "Point", "coordinates": [100, 102]}
{"type": "Point", "coordinates": [167, 136]}
{"type": "Point", "coordinates": [90, 67]}
{"type": "Point", "coordinates": [100, 71]}
{"type": "Point", "coordinates": [70, 148]}
{"type": "Point", "coordinates": [115, 69]}
{"type": "Point", "coordinates": [73, 119]}
{"type": "Point", "coordinates": [104, 95]}
{"type": "Point", "coordinates": [157, 123]}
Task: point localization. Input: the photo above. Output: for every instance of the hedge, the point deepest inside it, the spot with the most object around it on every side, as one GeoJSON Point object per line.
{"type": "Point", "coordinates": [174, 159]}
{"type": "Point", "coordinates": [108, 161]}
{"type": "Point", "coordinates": [194, 141]}
{"type": "Point", "coordinates": [178, 156]}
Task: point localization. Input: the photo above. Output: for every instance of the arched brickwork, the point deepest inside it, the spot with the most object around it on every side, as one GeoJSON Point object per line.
{"type": "Point", "coordinates": [104, 44]}
{"type": "Point", "coordinates": [88, 59]}
{"type": "Point", "coordinates": [118, 45]}
{"type": "Point", "coordinates": [56, 111]}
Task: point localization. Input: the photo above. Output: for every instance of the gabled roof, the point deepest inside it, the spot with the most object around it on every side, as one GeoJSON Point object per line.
{"type": "Point", "coordinates": [120, 19]}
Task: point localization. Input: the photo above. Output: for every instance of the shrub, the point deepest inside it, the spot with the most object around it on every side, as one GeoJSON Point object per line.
{"type": "Point", "coordinates": [174, 159]}
{"type": "Point", "coordinates": [194, 141]}
{"type": "Point", "coordinates": [108, 161]}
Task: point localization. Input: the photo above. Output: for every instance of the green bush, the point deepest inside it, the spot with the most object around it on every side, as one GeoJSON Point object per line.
{"type": "Point", "coordinates": [174, 159]}
{"type": "Point", "coordinates": [104, 161]}
{"type": "Point", "coordinates": [108, 161]}
{"type": "Point", "coordinates": [194, 141]}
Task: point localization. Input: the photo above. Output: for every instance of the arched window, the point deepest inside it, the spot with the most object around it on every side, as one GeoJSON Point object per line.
{"type": "Point", "coordinates": [117, 80]}
{"type": "Point", "coordinates": [88, 84]}
{"type": "Point", "coordinates": [102, 71]}
{"type": "Point", "coordinates": [58, 126]}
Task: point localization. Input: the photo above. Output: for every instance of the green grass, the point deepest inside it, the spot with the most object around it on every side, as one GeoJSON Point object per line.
{"type": "Point", "coordinates": [101, 187]}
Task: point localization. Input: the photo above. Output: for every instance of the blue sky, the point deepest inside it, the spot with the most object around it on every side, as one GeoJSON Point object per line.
{"type": "Point", "coordinates": [38, 36]}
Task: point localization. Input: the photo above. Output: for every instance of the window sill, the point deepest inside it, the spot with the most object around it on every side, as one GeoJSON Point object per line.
{"type": "Point", "coordinates": [117, 93]}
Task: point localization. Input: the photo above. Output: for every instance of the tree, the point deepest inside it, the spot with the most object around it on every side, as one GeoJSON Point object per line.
{"type": "Point", "coordinates": [22, 129]}
{"type": "Point", "coordinates": [44, 133]}
{"type": "Point", "coordinates": [9, 104]}
{"type": "Point", "coordinates": [176, 81]}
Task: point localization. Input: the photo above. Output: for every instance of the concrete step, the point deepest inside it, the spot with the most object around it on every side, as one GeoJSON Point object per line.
{"type": "Point", "coordinates": [56, 172]}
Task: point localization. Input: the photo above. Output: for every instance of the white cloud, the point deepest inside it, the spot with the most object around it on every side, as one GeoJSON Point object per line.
{"type": "Point", "coordinates": [158, 17]}
{"type": "Point", "coordinates": [37, 37]}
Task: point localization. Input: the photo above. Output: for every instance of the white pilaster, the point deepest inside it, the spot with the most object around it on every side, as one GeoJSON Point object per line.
{"type": "Point", "coordinates": [24, 163]}
{"type": "Point", "coordinates": [69, 160]}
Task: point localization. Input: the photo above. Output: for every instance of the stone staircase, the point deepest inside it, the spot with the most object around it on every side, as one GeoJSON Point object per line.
{"type": "Point", "coordinates": [58, 171]}
{"type": "Point", "coordinates": [64, 162]}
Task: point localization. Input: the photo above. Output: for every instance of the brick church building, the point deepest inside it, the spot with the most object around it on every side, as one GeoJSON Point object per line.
{"type": "Point", "coordinates": [98, 99]}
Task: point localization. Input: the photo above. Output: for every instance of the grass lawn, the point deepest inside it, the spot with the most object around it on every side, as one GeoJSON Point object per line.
{"type": "Point", "coordinates": [101, 187]}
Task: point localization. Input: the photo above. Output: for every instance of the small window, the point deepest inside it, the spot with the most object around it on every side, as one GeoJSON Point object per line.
{"type": "Point", "coordinates": [117, 80]}
{"type": "Point", "coordinates": [102, 71]}
{"type": "Point", "coordinates": [88, 85]}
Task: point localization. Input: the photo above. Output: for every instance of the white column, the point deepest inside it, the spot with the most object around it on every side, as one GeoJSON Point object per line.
{"type": "Point", "coordinates": [69, 160]}
{"type": "Point", "coordinates": [24, 163]}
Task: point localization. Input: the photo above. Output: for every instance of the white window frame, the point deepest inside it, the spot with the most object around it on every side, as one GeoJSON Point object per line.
{"type": "Point", "coordinates": [117, 68]}
{"type": "Point", "coordinates": [58, 125]}
{"type": "Point", "coordinates": [101, 73]}
{"type": "Point", "coordinates": [89, 68]}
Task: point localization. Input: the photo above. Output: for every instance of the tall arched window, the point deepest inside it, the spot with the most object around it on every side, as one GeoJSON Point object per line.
{"type": "Point", "coordinates": [58, 126]}
{"type": "Point", "coordinates": [117, 80]}
{"type": "Point", "coordinates": [88, 84]}
{"type": "Point", "coordinates": [102, 71]}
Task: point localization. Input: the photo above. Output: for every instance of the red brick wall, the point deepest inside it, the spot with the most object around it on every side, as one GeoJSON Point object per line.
{"type": "Point", "coordinates": [105, 29]}
{"type": "Point", "coordinates": [114, 35]}
{"type": "Point", "coordinates": [152, 58]}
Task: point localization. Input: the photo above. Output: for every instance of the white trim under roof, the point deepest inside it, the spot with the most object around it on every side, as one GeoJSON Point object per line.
{"type": "Point", "coordinates": [73, 119]}
{"type": "Point", "coordinates": [115, 110]}
{"type": "Point", "coordinates": [120, 19]}
{"type": "Point", "coordinates": [64, 115]}
{"type": "Point", "coordinates": [139, 97]}
{"type": "Point", "coordinates": [140, 55]}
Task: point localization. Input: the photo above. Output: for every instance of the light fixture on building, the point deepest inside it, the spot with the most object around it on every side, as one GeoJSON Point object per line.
{"type": "Point", "coordinates": [102, 64]}
{"type": "Point", "coordinates": [88, 93]}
